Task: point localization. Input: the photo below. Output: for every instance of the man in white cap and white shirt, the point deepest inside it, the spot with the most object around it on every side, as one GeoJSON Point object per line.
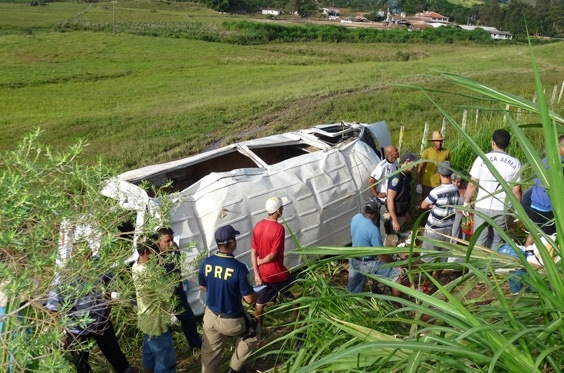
{"type": "Point", "coordinates": [267, 256]}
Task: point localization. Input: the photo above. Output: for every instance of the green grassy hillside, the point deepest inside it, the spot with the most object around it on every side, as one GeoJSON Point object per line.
{"type": "Point", "coordinates": [140, 100]}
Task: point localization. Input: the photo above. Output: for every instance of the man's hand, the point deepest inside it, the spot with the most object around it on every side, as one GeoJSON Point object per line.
{"type": "Point", "coordinates": [419, 189]}
{"type": "Point", "coordinates": [396, 226]}
{"type": "Point", "coordinates": [258, 280]}
{"type": "Point", "coordinates": [467, 205]}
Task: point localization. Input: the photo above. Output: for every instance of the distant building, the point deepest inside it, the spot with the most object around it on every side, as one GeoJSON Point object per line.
{"type": "Point", "coordinates": [431, 17]}
{"type": "Point", "coordinates": [331, 12]}
{"type": "Point", "coordinates": [360, 19]}
{"type": "Point", "coordinates": [494, 33]}
{"type": "Point", "coordinates": [395, 19]}
{"type": "Point", "coordinates": [274, 12]}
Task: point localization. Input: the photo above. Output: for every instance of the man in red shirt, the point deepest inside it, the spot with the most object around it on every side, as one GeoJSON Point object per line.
{"type": "Point", "coordinates": [267, 256]}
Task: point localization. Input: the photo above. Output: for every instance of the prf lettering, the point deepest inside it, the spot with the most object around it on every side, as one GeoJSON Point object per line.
{"type": "Point", "coordinates": [219, 272]}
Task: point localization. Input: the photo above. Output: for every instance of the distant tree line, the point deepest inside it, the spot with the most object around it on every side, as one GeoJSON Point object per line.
{"type": "Point", "coordinates": [304, 8]}
{"type": "Point", "coordinates": [546, 18]}
{"type": "Point", "coordinates": [248, 32]}
{"type": "Point", "coordinates": [257, 33]}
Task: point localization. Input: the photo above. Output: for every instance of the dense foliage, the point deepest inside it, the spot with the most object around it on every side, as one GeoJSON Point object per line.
{"type": "Point", "coordinates": [544, 19]}
{"type": "Point", "coordinates": [39, 189]}
{"type": "Point", "coordinates": [246, 32]}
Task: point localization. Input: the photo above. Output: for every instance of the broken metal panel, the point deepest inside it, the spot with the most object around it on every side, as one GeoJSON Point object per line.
{"type": "Point", "coordinates": [381, 134]}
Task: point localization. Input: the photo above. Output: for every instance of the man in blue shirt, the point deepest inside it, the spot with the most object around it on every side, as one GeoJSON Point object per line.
{"type": "Point", "coordinates": [540, 207]}
{"type": "Point", "coordinates": [365, 233]}
{"type": "Point", "coordinates": [225, 280]}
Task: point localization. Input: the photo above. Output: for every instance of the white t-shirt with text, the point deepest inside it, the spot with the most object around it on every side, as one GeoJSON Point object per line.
{"type": "Point", "coordinates": [490, 194]}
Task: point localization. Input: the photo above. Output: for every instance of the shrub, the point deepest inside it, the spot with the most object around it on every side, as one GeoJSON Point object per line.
{"type": "Point", "coordinates": [39, 189]}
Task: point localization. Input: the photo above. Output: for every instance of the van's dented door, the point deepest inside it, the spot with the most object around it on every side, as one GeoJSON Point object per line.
{"type": "Point", "coordinates": [188, 236]}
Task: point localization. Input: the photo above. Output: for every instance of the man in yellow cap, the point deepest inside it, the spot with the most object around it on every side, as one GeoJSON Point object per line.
{"type": "Point", "coordinates": [427, 176]}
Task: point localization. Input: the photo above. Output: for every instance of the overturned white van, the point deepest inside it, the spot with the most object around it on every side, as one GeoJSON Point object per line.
{"type": "Point", "coordinates": [323, 171]}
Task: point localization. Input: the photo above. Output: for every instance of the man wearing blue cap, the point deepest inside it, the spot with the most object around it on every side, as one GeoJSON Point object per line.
{"type": "Point", "coordinates": [225, 280]}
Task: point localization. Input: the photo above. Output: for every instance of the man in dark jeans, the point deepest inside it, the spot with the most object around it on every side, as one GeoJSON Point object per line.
{"type": "Point", "coordinates": [184, 314]}
{"type": "Point", "coordinates": [399, 199]}
{"type": "Point", "coordinates": [80, 298]}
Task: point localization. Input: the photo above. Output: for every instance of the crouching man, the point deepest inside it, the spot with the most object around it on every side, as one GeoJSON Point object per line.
{"type": "Point", "coordinates": [365, 233]}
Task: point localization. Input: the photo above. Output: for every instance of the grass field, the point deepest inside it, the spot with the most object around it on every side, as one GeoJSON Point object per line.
{"type": "Point", "coordinates": [140, 100]}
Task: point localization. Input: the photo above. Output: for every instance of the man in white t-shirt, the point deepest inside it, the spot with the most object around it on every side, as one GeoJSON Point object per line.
{"type": "Point", "coordinates": [378, 181]}
{"type": "Point", "coordinates": [492, 200]}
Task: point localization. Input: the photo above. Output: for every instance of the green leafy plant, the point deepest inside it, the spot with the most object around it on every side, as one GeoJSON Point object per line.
{"type": "Point", "coordinates": [45, 197]}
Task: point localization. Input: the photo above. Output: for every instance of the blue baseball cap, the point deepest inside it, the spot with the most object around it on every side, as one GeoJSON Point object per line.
{"type": "Point", "coordinates": [225, 234]}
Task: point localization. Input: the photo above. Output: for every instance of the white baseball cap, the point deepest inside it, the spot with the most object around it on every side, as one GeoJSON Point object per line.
{"type": "Point", "coordinates": [273, 204]}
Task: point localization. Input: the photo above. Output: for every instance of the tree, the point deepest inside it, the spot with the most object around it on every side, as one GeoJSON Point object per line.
{"type": "Point", "coordinates": [491, 14]}
{"type": "Point", "coordinates": [307, 8]}
{"type": "Point", "coordinates": [39, 189]}
{"type": "Point", "coordinates": [219, 5]}
{"type": "Point", "coordinates": [516, 14]}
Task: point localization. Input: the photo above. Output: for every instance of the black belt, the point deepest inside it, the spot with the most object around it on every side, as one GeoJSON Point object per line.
{"type": "Point", "coordinates": [366, 258]}
{"type": "Point", "coordinates": [227, 315]}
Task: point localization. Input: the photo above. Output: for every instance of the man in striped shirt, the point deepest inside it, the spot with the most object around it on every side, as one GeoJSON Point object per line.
{"type": "Point", "coordinates": [442, 201]}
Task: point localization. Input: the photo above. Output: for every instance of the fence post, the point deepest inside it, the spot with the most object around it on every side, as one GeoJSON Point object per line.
{"type": "Point", "coordinates": [477, 115]}
{"type": "Point", "coordinates": [443, 127]}
{"type": "Point", "coordinates": [400, 140]}
{"type": "Point", "coordinates": [553, 97]}
{"type": "Point", "coordinates": [464, 116]}
{"type": "Point", "coordinates": [535, 98]}
{"type": "Point", "coordinates": [424, 139]}
{"type": "Point", "coordinates": [518, 116]}
{"type": "Point", "coordinates": [561, 90]}
{"type": "Point", "coordinates": [505, 114]}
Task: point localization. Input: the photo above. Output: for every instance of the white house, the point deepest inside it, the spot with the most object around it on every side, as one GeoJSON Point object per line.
{"type": "Point", "coordinates": [274, 12]}
{"type": "Point", "coordinates": [494, 33]}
